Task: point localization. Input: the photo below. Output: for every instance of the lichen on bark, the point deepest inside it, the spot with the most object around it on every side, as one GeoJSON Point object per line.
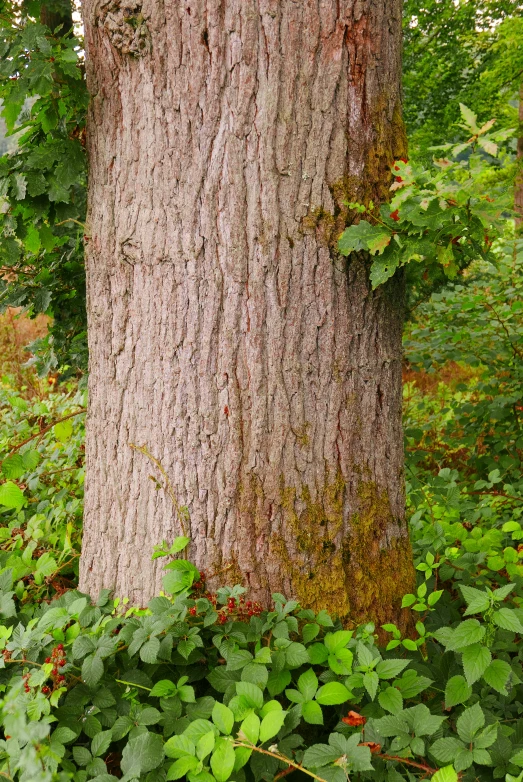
{"type": "Point", "coordinates": [124, 23]}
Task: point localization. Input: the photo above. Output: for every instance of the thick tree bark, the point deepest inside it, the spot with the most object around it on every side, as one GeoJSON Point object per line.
{"type": "Point", "coordinates": [226, 335]}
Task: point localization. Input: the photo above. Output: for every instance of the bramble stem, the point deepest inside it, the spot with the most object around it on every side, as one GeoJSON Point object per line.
{"type": "Point", "coordinates": [280, 757]}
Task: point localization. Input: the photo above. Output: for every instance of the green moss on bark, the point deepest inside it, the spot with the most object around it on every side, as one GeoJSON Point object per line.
{"type": "Point", "coordinates": [378, 552]}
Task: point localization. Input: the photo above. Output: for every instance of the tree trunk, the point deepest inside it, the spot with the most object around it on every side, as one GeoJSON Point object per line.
{"type": "Point", "coordinates": [226, 334]}
{"type": "Point", "coordinates": [57, 13]}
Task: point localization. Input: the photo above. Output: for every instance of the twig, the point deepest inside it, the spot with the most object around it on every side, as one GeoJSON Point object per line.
{"type": "Point", "coordinates": [170, 491]}
{"type": "Point", "coordinates": [284, 772]}
{"type": "Point", "coordinates": [422, 766]}
{"type": "Point", "coordinates": [42, 431]}
{"type": "Point", "coordinates": [503, 325]}
{"type": "Point", "coordinates": [133, 684]}
{"type": "Point", "coordinates": [71, 220]}
{"type": "Point", "coordinates": [296, 766]}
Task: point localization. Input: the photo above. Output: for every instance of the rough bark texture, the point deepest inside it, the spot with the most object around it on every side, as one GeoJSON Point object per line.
{"type": "Point", "coordinates": [226, 335]}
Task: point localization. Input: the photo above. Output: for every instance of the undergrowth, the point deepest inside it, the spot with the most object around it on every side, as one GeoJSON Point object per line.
{"type": "Point", "coordinates": [209, 686]}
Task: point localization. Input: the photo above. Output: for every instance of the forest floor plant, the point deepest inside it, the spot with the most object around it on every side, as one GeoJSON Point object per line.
{"type": "Point", "coordinates": [209, 686]}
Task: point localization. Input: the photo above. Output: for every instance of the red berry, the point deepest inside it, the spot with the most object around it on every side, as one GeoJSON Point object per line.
{"type": "Point", "coordinates": [45, 690]}
{"type": "Point", "coordinates": [192, 611]}
{"type": "Point", "coordinates": [62, 663]}
{"type": "Point", "coordinates": [48, 659]}
{"type": "Point", "coordinates": [395, 215]}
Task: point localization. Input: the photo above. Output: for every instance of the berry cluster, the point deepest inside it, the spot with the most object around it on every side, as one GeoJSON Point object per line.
{"type": "Point", "coordinates": [241, 609]}
{"type": "Point", "coordinates": [199, 585]}
{"type": "Point", "coordinates": [58, 659]}
{"type": "Point", "coordinates": [25, 679]}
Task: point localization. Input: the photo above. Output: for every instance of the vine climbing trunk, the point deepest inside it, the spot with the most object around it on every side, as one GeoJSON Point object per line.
{"type": "Point", "coordinates": [228, 339]}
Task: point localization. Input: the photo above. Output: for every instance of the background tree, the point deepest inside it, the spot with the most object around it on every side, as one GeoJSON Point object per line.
{"type": "Point", "coordinates": [227, 337]}
{"type": "Point", "coordinates": [465, 52]}
{"type": "Point", "coordinates": [43, 176]}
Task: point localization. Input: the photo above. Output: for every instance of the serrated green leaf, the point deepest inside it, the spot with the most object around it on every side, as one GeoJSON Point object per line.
{"type": "Point", "coordinates": [332, 694]}
{"type": "Point", "coordinates": [470, 723]}
{"type": "Point", "coordinates": [271, 724]}
{"type": "Point", "coordinates": [222, 760]}
{"type": "Point", "coordinates": [11, 496]}
{"type": "Point", "coordinates": [391, 700]}
{"type": "Point", "coordinates": [456, 691]}
{"type": "Point", "coordinates": [250, 727]}
{"type": "Point", "coordinates": [92, 670]}
{"type": "Point", "coordinates": [223, 717]}
{"type": "Point", "coordinates": [497, 675]}
{"type": "Point", "coordinates": [476, 660]}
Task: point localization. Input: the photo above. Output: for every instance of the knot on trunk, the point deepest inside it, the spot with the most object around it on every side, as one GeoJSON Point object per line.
{"type": "Point", "coordinates": [126, 26]}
